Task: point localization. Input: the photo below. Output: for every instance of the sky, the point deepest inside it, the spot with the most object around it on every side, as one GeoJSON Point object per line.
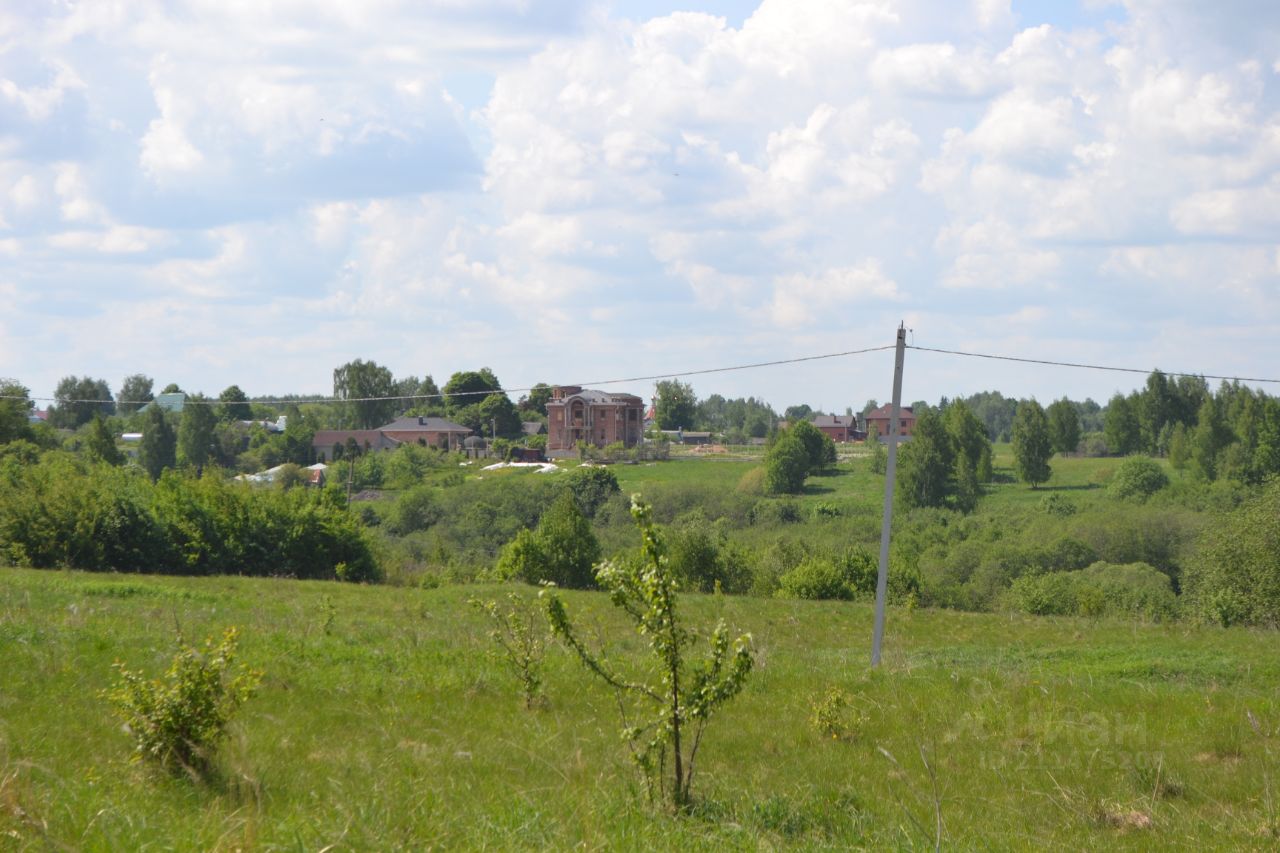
{"type": "Point", "coordinates": [255, 192]}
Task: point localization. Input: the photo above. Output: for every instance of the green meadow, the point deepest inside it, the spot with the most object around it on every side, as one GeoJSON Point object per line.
{"type": "Point", "coordinates": [383, 721]}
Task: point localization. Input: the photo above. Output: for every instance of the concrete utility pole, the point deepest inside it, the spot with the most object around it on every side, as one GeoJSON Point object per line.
{"type": "Point", "coordinates": [890, 473]}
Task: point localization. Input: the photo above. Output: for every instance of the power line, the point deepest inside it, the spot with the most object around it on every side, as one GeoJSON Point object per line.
{"type": "Point", "coordinates": [1087, 366]}
{"type": "Point", "coordinates": [405, 397]}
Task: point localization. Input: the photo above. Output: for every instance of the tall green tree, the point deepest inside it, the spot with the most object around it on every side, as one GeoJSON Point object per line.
{"type": "Point", "coordinates": [234, 405]}
{"type": "Point", "coordinates": [1266, 456]}
{"type": "Point", "coordinates": [969, 439]}
{"type": "Point", "coordinates": [158, 448]}
{"type": "Point", "coordinates": [15, 409]}
{"type": "Point", "coordinates": [195, 432]}
{"type": "Point", "coordinates": [1211, 437]}
{"type": "Point", "coordinates": [536, 399]}
{"type": "Point", "coordinates": [1123, 432]}
{"type": "Point", "coordinates": [368, 388]}
{"type": "Point", "coordinates": [1064, 426]}
{"type": "Point", "coordinates": [135, 392]}
{"type": "Point", "coordinates": [468, 387]}
{"type": "Point", "coordinates": [100, 444]}
{"type": "Point", "coordinates": [495, 410]}
{"type": "Point", "coordinates": [925, 463]}
{"type": "Point", "coordinates": [1156, 406]}
{"type": "Point", "coordinates": [1179, 447]}
{"type": "Point", "coordinates": [78, 399]}
{"type": "Point", "coordinates": [675, 405]}
{"type": "Point", "coordinates": [1032, 446]}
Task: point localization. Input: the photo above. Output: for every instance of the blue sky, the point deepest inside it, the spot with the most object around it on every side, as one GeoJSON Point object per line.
{"type": "Point", "coordinates": [256, 192]}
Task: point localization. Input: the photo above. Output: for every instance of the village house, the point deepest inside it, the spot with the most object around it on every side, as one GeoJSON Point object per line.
{"type": "Point", "coordinates": [880, 417]}
{"type": "Point", "coordinates": [431, 432]}
{"type": "Point", "coordinates": [599, 418]}
{"type": "Point", "coordinates": [839, 428]}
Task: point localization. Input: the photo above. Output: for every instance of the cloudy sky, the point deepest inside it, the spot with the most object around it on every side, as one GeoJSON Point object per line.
{"type": "Point", "coordinates": [256, 191]}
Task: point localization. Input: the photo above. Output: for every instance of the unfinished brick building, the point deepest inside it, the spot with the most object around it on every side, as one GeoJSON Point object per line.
{"type": "Point", "coordinates": [597, 417]}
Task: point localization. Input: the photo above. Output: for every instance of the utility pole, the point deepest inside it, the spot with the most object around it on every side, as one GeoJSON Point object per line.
{"type": "Point", "coordinates": [890, 474]}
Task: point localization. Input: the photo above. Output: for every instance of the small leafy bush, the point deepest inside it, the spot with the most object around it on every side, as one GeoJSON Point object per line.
{"type": "Point", "coordinates": [835, 715]}
{"type": "Point", "coordinates": [815, 578]}
{"type": "Point", "coordinates": [1137, 478]}
{"type": "Point", "coordinates": [846, 577]}
{"type": "Point", "coordinates": [1058, 505]}
{"type": "Point", "coordinates": [178, 722]}
{"type": "Point", "coordinates": [1103, 589]}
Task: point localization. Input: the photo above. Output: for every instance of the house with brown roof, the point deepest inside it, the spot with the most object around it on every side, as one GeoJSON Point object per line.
{"type": "Point", "coordinates": [880, 417]}
{"type": "Point", "coordinates": [597, 417]}
{"type": "Point", "coordinates": [839, 428]}
{"type": "Point", "coordinates": [431, 432]}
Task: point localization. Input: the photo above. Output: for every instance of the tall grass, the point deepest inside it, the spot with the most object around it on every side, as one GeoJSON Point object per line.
{"type": "Point", "coordinates": [383, 723]}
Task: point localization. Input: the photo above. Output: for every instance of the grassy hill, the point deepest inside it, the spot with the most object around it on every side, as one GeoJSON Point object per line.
{"type": "Point", "coordinates": [383, 722]}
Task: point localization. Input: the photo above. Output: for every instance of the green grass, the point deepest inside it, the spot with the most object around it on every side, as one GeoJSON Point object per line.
{"type": "Point", "coordinates": [397, 729]}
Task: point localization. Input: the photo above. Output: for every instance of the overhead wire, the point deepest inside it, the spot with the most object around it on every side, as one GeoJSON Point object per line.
{"type": "Point", "coordinates": [1085, 366]}
{"type": "Point", "coordinates": [441, 395]}
{"type": "Point", "coordinates": [281, 401]}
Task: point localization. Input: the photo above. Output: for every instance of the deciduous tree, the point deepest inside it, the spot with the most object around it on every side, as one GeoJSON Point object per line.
{"type": "Point", "coordinates": [468, 387]}
{"type": "Point", "coordinates": [135, 392]}
{"type": "Point", "coordinates": [1032, 445]}
{"type": "Point", "coordinates": [1123, 432]}
{"type": "Point", "coordinates": [1064, 426]}
{"type": "Point", "coordinates": [195, 432]}
{"type": "Point", "coordinates": [78, 398]}
{"type": "Point", "coordinates": [368, 387]}
{"type": "Point", "coordinates": [786, 464]}
{"type": "Point", "coordinates": [925, 463]}
{"type": "Point", "coordinates": [235, 405]}
{"type": "Point", "coordinates": [675, 405]}
{"type": "Point", "coordinates": [15, 407]}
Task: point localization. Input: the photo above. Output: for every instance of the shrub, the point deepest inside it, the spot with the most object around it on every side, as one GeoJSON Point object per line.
{"type": "Point", "coordinates": [835, 715]}
{"type": "Point", "coordinates": [815, 578]}
{"type": "Point", "coordinates": [1058, 505]}
{"type": "Point", "coordinates": [695, 557]}
{"type": "Point", "coordinates": [415, 509]}
{"type": "Point", "coordinates": [1102, 589]}
{"type": "Point", "coordinates": [1234, 576]}
{"type": "Point", "coordinates": [562, 550]}
{"type": "Point", "coordinates": [178, 721]}
{"type": "Point", "coordinates": [1137, 478]}
{"type": "Point", "coordinates": [786, 465]}
{"type": "Point", "coordinates": [591, 486]}
{"type": "Point", "coordinates": [825, 509]}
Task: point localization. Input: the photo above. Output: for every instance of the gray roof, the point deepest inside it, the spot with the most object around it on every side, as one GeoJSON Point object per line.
{"type": "Point", "coordinates": [835, 421]}
{"type": "Point", "coordinates": [423, 424]}
{"type": "Point", "coordinates": [171, 402]}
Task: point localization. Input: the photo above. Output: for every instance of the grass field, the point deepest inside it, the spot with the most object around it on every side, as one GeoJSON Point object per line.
{"type": "Point", "coordinates": [383, 723]}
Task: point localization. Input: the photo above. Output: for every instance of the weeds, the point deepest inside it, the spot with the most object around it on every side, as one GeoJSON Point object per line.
{"type": "Point", "coordinates": [834, 715]}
